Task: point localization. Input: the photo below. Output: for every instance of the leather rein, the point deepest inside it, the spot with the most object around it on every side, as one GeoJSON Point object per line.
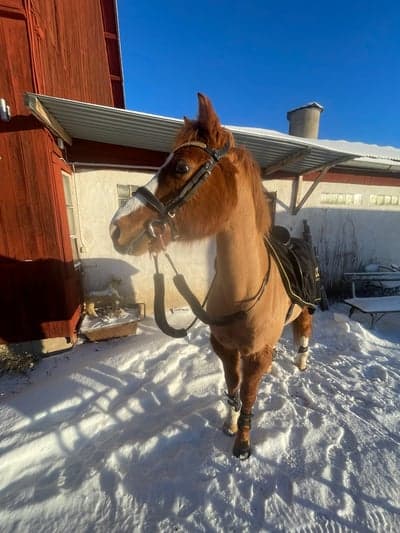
{"type": "Point", "coordinates": [155, 229]}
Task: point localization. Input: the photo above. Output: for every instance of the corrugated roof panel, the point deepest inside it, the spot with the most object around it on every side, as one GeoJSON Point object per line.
{"type": "Point", "coordinates": [132, 128]}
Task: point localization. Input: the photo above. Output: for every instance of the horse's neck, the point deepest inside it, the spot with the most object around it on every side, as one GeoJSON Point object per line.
{"type": "Point", "coordinates": [241, 258]}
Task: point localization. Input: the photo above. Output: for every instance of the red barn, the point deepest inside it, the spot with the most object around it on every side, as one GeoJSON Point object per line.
{"type": "Point", "coordinates": [60, 57]}
{"type": "Point", "coordinates": [69, 49]}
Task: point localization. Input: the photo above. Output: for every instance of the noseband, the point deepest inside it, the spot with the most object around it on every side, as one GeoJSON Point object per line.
{"type": "Point", "coordinates": [155, 229]}
{"type": "Point", "coordinates": [166, 211]}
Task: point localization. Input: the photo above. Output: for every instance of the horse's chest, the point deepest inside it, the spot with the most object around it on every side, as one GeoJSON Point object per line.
{"type": "Point", "coordinates": [244, 337]}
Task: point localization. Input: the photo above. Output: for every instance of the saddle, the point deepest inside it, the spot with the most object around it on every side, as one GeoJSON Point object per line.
{"type": "Point", "coordinates": [298, 267]}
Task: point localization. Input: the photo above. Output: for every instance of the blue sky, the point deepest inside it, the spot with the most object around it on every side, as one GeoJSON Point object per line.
{"type": "Point", "coordinates": [258, 59]}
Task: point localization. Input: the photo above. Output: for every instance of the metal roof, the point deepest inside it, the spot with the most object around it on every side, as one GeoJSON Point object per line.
{"type": "Point", "coordinates": [272, 150]}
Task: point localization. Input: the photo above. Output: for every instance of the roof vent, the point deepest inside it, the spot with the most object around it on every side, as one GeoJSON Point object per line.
{"type": "Point", "coordinates": [304, 120]}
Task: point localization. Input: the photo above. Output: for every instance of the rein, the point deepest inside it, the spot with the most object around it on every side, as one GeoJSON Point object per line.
{"type": "Point", "coordinates": [194, 304]}
{"type": "Point", "coordinates": [196, 307]}
{"type": "Point", "coordinates": [155, 229]}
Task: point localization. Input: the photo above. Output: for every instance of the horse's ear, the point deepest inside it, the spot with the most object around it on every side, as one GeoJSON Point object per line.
{"type": "Point", "coordinates": [207, 118]}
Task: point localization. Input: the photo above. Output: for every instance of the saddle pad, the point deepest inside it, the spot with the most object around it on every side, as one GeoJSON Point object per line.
{"type": "Point", "coordinates": [299, 270]}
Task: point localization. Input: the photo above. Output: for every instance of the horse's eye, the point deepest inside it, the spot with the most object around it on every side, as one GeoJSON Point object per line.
{"type": "Point", "coordinates": [182, 167]}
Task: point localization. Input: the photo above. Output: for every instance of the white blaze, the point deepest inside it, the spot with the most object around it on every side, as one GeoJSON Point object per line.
{"type": "Point", "coordinates": [134, 203]}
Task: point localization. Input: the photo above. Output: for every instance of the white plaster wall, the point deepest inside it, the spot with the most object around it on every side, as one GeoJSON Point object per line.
{"type": "Point", "coordinates": [347, 237]}
{"type": "Point", "coordinates": [97, 201]}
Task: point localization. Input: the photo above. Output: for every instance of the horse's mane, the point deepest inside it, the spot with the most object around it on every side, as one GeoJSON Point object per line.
{"type": "Point", "coordinates": [252, 172]}
{"type": "Point", "coordinates": [213, 135]}
{"type": "Point", "coordinates": [217, 137]}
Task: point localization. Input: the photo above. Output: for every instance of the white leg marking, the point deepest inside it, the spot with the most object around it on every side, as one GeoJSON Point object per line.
{"type": "Point", "coordinates": [302, 355]}
{"type": "Point", "coordinates": [230, 425]}
{"type": "Point", "coordinates": [304, 342]}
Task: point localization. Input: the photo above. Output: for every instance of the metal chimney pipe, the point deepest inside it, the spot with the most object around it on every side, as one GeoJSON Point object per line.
{"type": "Point", "coordinates": [304, 120]}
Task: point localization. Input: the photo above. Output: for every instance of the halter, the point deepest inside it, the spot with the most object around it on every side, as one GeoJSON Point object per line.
{"type": "Point", "coordinates": [166, 211]}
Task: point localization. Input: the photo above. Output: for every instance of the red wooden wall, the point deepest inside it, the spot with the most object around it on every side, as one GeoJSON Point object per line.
{"type": "Point", "coordinates": [60, 48]}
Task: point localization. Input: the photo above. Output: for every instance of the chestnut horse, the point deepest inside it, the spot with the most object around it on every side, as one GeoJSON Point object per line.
{"type": "Point", "coordinates": [210, 187]}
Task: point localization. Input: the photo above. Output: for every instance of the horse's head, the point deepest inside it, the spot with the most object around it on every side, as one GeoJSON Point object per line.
{"type": "Point", "coordinates": [190, 197]}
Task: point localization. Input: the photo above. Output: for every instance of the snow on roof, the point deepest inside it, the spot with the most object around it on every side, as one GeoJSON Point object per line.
{"type": "Point", "coordinates": [367, 150]}
{"type": "Point", "coordinates": [307, 106]}
{"type": "Point", "coordinates": [364, 151]}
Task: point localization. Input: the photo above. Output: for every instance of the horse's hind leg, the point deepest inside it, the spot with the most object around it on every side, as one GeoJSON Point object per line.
{"type": "Point", "coordinates": [302, 328]}
{"type": "Point", "coordinates": [231, 363]}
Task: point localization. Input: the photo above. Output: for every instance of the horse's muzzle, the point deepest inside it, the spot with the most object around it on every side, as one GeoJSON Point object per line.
{"type": "Point", "coordinates": [115, 235]}
{"type": "Point", "coordinates": [133, 247]}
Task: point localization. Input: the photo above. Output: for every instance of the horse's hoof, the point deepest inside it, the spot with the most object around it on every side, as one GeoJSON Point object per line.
{"type": "Point", "coordinates": [242, 451]}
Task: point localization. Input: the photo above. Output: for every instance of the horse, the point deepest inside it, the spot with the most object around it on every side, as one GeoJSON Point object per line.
{"type": "Point", "coordinates": [210, 187]}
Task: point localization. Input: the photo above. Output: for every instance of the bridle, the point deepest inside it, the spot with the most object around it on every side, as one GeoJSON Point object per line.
{"type": "Point", "coordinates": [155, 229]}
{"type": "Point", "coordinates": [166, 211]}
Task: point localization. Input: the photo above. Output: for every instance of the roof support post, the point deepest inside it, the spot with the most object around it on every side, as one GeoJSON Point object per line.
{"type": "Point", "coordinates": [322, 171]}
{"type": "Point", "coordinates": [296, 192]}
{"type": "Point", "coordinates": [299, 205]}
{"type": "Point", "coordinates": [294, 156]}
{"type": "Point", "coordinates": [41, 113]}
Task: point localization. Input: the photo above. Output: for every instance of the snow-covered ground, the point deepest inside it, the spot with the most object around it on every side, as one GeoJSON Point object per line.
{"type": "Point", "coordinates": [124, 436]}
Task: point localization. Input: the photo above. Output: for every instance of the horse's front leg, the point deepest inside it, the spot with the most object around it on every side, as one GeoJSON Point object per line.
{"type": "Point", "coordinates": [231, 363]}
{"type": "Point", "coordinates": [254, 366]}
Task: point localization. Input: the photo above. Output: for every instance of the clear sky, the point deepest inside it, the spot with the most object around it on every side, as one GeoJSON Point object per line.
{"type": "Point", "coordinates": [258, 59]}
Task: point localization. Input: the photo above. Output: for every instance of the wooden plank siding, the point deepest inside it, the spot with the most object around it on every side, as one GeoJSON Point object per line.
{"type": "Point", "coordinates": [57, 47]}
{"type": "Point", "coordinates": [69, 53]}
{"type": "Point", "coordinates": [108, 8]}
{"type": "Point", "coordinates": [41, 293]}
{"type": "Point", "coordinates": [356, 177]}
{"type": "Point", "coordinates": [110, 154]}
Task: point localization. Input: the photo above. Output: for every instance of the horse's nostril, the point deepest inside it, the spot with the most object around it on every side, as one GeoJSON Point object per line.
{"type": "Point", "coordinates": [114, 232]}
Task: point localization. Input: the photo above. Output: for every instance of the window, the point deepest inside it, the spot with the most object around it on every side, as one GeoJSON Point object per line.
{"type": "Point", "coordinates": [384, 200]}
{"type": "Point", "coordinates": [125, 192]}
{"type": "Point", "coordinates": [70, 205]}
{"type": "Point", "coordinates": [341, 198]}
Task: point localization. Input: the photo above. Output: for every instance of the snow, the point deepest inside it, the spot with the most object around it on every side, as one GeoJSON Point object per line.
{"type": "Point", "coordinates": [124, 435]}
{"type": "Point", "coordinates": [90, 323]}
{"type": "Point", "coordinates": [364, 152]}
